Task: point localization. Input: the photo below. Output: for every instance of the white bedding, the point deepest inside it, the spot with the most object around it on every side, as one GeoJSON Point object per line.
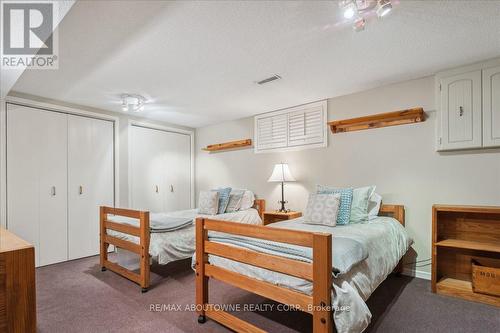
{"type": "Point", "coordinates": [386, 240]}
{"type": "Point", "coordinates": [175, 245]}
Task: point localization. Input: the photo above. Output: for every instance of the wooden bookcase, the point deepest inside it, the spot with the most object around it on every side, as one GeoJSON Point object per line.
{"type": "Point", "coordinates": [460, 234]}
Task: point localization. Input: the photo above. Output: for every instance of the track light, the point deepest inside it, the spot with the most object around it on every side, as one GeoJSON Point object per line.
{"type": "Point", "coordinates": [383, 7]}
{"type": "Point", "coordinates": [358, 11]}
{"type": "Point", "coordinates": [349, 7]}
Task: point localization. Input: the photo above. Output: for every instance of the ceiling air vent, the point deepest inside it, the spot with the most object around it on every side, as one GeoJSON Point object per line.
{"type": "Point", "coordinates": [269, 79]}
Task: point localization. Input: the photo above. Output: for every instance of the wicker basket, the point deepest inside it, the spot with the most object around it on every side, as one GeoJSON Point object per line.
{"type": "Point", "coordinates": [485, 280]}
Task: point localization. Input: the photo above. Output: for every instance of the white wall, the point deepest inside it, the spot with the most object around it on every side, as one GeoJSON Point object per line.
{"type": "Point", "coordinates": [400, 160]}
{"type": "Point", "coordinates": [121, 198]}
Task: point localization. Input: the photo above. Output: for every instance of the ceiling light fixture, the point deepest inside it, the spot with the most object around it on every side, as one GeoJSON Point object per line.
{"type": "Point", "coordinates": [358, 11]}
{"type": "Point", "coordinates": [383, 7]}
{"type": "Point", "coordinates": [131, 102]}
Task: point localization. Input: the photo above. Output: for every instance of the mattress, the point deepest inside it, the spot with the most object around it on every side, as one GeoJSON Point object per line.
{"type": "Point", "coordinates": [179, 244]}
{"type": "Point", "coordinates": [386, 241]}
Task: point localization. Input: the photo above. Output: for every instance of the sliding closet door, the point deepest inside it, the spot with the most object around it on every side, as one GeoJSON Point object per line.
{"type": "Point", "coordinates": [178, 175]}
{"type": "Point", "coordinates": [90, 181]}
{"type": "Point", "coordinates": [160, 170]}
{"type": "Point", "coordinates": [147, 148]}
{"type": "Point", "coordinates": [37, 180]}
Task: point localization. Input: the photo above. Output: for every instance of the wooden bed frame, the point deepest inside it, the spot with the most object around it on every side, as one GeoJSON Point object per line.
{"type": "Point", "coordinates": [318, 272]}
{"type": "Point", "coordinates": [141, 249]}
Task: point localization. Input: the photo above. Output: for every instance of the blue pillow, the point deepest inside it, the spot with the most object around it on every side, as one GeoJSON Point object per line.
{"type": "Point", "coordinates": [223, 199]}
{"type": "Point", "coordinates": [345, 202]}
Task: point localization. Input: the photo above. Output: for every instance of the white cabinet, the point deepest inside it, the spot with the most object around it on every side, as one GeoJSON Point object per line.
{"type": "Point", "coordinates": [60, 169]}
{"type": "Point", "coordinates": [461, 111]}
{"type": "Point", "coordinates": [160, 169]}
{"type": "Point", "coordinates": [491, 106]}
{"type": "Point", "coordinates": [90, 181]}
{"type": "Point", "coordinates": [468, 101]}
{"type": "Point", "coordinates": [37, 180]}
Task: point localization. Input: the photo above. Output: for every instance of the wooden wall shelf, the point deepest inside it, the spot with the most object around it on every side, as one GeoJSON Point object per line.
{"type": "Point", "coordinates": [402, 117]}
{"type": "Point", "coordinates": [228, 145]}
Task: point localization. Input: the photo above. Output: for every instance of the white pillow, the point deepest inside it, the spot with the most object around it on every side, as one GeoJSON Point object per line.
{"type": "Point", "coordinates": [374, 204]}
{"type": "Point", "coordinates": [322, 209]}
{"type": "Point", "coordinates": [247, 200]}
{"type": "Point", "coordinates": [208, 202]}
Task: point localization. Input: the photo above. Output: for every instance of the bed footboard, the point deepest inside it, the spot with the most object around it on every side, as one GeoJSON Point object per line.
{"type": "Point", "coordinates": [141, 249]}
{"type": "Point", "coordinates": [319, 272]}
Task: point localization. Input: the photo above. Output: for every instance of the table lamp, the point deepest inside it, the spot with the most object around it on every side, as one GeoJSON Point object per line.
{"type": "Point", "coordinates": [281, 174]}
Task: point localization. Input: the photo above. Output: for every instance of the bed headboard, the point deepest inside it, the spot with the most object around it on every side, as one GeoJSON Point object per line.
{"type": "Point", "coordinates": [396, 211]}
{"type": "Point", "coordinates": [260, 205]}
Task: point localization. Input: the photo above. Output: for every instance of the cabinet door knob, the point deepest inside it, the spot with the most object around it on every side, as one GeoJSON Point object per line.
{"type": "Point", "coordinates": [53, 191]}
{"type": "Point", "coordinates": [80, 190]}
{"type": "Point", "coordinates": [157, 189]}
{"type": "Point", "coordinates": [171, 188]}
{"type": "Point", "coordinates": [461, 112]}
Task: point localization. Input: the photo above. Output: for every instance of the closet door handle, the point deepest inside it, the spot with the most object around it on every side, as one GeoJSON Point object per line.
{"type": "Point", "coordinates": [157, 189]}
{"type": "Point", "coordinates": [171, 188]}
{"type": "Point", "coordinates": [53, 191]}
{"type": "Point", "coordinates": [80, 190]}
{"type": "Point", "coordinates": [461, 111]}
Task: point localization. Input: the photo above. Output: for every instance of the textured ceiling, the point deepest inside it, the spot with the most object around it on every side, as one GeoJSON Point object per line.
{"type": "Point", "coordinates": [197, 61]}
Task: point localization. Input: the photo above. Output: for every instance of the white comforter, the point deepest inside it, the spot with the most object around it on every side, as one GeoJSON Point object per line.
{"type": "Point", "coordinates": [386, 241]}
{"type": "Point", "coordinates": [175, 245]}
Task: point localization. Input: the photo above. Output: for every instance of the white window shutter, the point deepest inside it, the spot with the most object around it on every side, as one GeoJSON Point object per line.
{"type": "Point", "coordinates": [306, 127]}
{"type": "Point", "coordinates": [295, 128]}
{"type": "Point", "coordinates": [272, 132]}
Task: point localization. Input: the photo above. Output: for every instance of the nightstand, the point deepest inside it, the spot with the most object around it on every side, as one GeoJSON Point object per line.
{"type": "Point", "coordinates": [275, 216]}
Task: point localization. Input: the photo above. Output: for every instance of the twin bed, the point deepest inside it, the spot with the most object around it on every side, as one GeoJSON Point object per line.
{"type": "Point", "coordinates": [327, 272]}
{"type": "Point", "coordinates": [133, 231]}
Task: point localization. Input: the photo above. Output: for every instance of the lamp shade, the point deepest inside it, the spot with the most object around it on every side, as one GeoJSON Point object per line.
{"type": "Point", "coordinates": [281, 173]}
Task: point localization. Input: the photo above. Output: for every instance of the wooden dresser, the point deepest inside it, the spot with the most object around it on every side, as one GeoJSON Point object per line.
{"type": "Point", "coordinates": [17, 284]}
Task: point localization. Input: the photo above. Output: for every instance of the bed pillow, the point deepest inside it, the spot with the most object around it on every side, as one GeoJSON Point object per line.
{"type": "Point", "coordinates": [322, 209]}
{"type": "Point", "coordinates": [208, 202]}
{"type": "Point", "coordinates": [247, 200]}
{"type": "Point", "coordinates": [345, 201]}
{"type": "Point", "coordinates": [234, 201]}
{"type": "Point", "coordinates": [223, 199]}
{"type": "Point", "coordinates": [374, 205]}
{"type": "Point", "coordinates": [359, 207]}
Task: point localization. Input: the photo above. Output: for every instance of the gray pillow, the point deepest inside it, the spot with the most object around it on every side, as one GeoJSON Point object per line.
{"type": "Point", "coordinates": [234, 201]}
{"type": "Point", "coordinates": [208, 202]}
{"type": "Point", "coordinates": [322, 209]}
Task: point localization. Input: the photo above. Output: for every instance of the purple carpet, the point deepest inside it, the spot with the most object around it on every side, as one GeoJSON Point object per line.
{"type": "Point", "coordinates": [77, 297]}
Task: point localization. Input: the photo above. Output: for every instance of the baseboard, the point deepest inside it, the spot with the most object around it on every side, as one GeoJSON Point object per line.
{"type": "Point", "coordinates": [417, 274]}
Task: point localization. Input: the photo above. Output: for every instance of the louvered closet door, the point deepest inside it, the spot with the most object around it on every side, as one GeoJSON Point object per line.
{"type": "Point", "coordinates": [178, 171]}
{"type": "Point", "coordinates": [147, 168]}
{"type": "Point", "coordinates": [272, 132]}
{"type": "Point", "coordinates": [37, 180]}
{"type": "Point", "coordinates": [90, 181]}
{"type": "Point", "coordinates": [306, 127]}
